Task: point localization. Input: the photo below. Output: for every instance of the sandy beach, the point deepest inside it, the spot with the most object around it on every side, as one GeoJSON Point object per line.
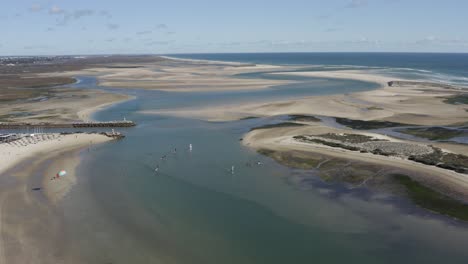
{"type": "Point", "coordinates": [180, 75]}
{"type": "Point", "coordinates": [30, 165]}
{"type": "Point", "coordinates": [59, 105]}
{"type": "Point", "coordinates": [412, 104]}
{"type": "Point", "coordinates": [87, 113]}
{"type": "Point", "coordinates": [26, 172]}
{"type": "Point", "coordinates": [417, 105]}
{"type": "Point", "coordinates": [16, 152]}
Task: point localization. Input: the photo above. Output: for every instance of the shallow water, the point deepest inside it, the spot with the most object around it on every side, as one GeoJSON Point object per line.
{"type": "Point", "coordinates": [196, 211]}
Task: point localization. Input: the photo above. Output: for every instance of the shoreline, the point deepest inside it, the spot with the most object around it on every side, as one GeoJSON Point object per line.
{"type": "Point", "coordinates": [35, 231]}
{"type": "Point", "coordinates": [227, 63]}
{"type": "Point", "coordinates": [86, 115]}
{"type": "Point", "coordinates": [31, 168]}
{"type": "Point", "coordinates": [281, 139]}
{"type": "Point", "coordinates": [27, 170]}
{"type": "Point", "coordinates": [183, 75]}
{"type": "Point", "coordinates": [413, 105]}
{"type": "Point", "coordinates": [13, 155]}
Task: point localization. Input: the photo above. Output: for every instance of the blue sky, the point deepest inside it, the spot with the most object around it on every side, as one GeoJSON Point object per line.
{"type": "Point", "coordinates": [177, 26]}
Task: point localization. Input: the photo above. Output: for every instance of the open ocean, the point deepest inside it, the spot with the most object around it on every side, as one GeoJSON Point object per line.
{"type": "Point", "coordinates": [443, 67]}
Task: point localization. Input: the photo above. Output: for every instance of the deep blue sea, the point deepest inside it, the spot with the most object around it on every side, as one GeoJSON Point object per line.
{"type": "Point", "coordinates": [443, 67]}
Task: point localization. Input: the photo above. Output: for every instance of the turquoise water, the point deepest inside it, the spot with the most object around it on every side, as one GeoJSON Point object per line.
{"type": "Point", "coordinates": [195, 211]}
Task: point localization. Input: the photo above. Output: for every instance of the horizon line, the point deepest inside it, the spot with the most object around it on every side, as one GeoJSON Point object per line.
{"type": "Point", "coordinates": [253, 52]}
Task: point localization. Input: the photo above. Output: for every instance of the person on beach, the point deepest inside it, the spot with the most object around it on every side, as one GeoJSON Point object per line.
{"type": "Point", "coordinates": [232, 169]}
{"type": "Point", "coordinates": [190, 147]}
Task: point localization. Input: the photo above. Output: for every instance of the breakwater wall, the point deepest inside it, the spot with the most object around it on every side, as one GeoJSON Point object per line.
{"type": "Point", "coordinates": [67, 125]}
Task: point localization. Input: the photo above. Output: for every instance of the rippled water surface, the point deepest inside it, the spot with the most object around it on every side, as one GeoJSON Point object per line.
{"type": "Point", "coordinates": [194, 210]}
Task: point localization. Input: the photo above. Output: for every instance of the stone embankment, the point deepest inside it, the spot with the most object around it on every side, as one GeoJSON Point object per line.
{"type": "Point", "coordinates": [124, 123]}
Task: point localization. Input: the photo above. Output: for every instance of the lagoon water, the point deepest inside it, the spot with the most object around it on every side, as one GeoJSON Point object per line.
{"type": "Point", "coordinates": [194, 210]}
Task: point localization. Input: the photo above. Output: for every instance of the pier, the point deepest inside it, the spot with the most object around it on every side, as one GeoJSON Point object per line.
{"type": "Point", "coordinates": [124, 123]}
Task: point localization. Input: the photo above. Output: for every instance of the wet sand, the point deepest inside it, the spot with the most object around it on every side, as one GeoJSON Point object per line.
{"type": "Point", "coordinates": [281, 139]}
{"type": "Point", "coordinates": [38, 92]}
{"type": "Point", "coordinates": [30, 225]}
{"type": "Point", "coordinates": [35, 232]}
{"type": "Point", "coordinates": [86, 114]}
{"type": "Point", "coordinates": [12, 154]}
{"type": "Point", "coordinates": [58, 105]}
{"type": "Point", "coordinates": [179, 75]}
{"type": "Point", "coordinates": [405, 104]}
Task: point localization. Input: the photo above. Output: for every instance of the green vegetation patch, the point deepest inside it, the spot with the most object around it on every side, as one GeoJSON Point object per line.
{"type": "Point", "coordinates": [284, 124]}
{"type": "Point", "coordinates": [365, 125]}
{"type": "Point", "coordinates": [123, 67]}
{"type": "Point", "coordinates": [434, 133]}
{"type": "Point", "coordinates": [326, 143]}
{"type": "Point", "coordinates": [293, 159]}
{"type": "Point", "coordinates": [249, 117]}
{"type": "Point", "coordinates": [432, 200]}
{"type": "Point", "coordinates": [349, 138]}
{"type": "Point", "coordinates": [445, 160]}
{"type": "Point", "coordinates": [48, 117]}
{"type": "Point", "coordinates": [356, 173]}
{"type": "Point", "coordinates": [457, 99]}
{"type": "Point", "coordinates": [304, 118]}
{"type": "Point", "coordinates": [374, 108]}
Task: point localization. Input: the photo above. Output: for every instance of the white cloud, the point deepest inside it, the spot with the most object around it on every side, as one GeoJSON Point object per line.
{"type": "Point", "coordinates": [112, 26]}
{"type": "Point", "coordinates": [35, 8]}
{"type": "Point", "coordinates": [146, 32]}
{"type": "Point", "coordinates": [72, 15]}
{"type": "Point", "coordinates": [158, 43]}
{"type": "Point", "coordinates": [161, 26]}
{"type": "Point", "coordinates": [77, 14]}
{"type": "Point", "coordinates": [105, 13]}
{"type": "Point", "coordinates": [55, 10]}
{"type": "Point", "coordinates": [329, 30]}
{"type": "Point", "coordinates": [434, 40]}
{"type": "Point", "coordinates": [356, 3]}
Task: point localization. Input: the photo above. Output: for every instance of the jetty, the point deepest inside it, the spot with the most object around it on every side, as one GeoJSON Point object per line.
{"type": "Point", "coordinates": [124, 123]}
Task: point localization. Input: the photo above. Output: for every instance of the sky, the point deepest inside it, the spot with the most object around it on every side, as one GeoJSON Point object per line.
{"type": "Point", "coordinates": [46, 27]}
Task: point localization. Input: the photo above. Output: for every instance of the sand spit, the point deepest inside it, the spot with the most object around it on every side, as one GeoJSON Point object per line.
{"type": "Point", "coordinates": [59, 105]}
{"type": "Point", "coordinates": [86, 114]}
{"type": "Point", "coordinates": [282, 139]}
{"type": "Point", "coordinates": [405, 104]}
{"type": "Point", "coordinates": [30, 226]}
{"type": "Point", "coordinates": [30, 147]}
{"type": "Point", "coordinates": [180, 75]}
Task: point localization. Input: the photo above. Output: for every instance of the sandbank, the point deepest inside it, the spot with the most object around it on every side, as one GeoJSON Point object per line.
{"type": "Point", "coordinates": [417, 105]}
